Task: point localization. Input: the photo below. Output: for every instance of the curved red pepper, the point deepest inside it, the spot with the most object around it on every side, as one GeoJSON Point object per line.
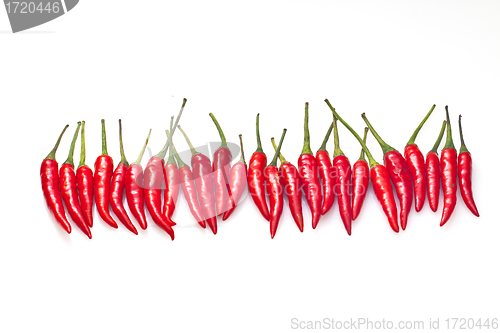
{"type": "Point", "coordinates": [326, 174]}
{"type": "Point", "coordinates": [134, 190]}
{"type": "Point", "coordinates": [85, 183]}
{"type": "Point", "coordinates": [465, 173]}
{"type": "Point", "coordinates": [449, 168]}
{"type": "Point", "coordinates": [237, 183]}
{"type": "Point", "coordinates": [360, 180]}
{"type": "Point", "coordinates": [171, 193]}
{"type": "Point", "coordinates": [189, 190]}
{"type": "Point", "coordinates": [433, 172]}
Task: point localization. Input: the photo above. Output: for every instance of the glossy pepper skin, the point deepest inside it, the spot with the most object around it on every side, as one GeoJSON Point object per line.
{"type": "Point", "coordinates": [85, 183]}
{"type": "Point", "coordinates": [326, 174]}
{"type": "Point", "coordinates": [221, 167]}
{"type": "Point", "coordinates": [117, 187]}
{"type": "Point", "coordinates": [360, 180]}
{"type": "Point", "coordinates": [416, 164]}
{"type": "Point", "coordinates": [465, 173]}
{"type": "Point", "coordinates": [432, 171]}
{"type": "Point", "coordinates": [448, 163]}
{"type": "Point", "coordinates": [103, 171]}
{"type": "Point", "coordinates": [237, 183]}
{"type": "Point", "coordinates": [274, 190]}
{"type": "Point", "coordinates": [290, 178]}
{"type": "Point", "coordinates": [255, 176]}
{"type": "Point", "coordinates": [171, 193]}
{"type": "Point", "coordinates": [308, 170]}
{"type": "Point", "coordinates": [67, 183]}
{"type": "Point", "coordinates": [49, 176]}
{"type": "Point", "coordinates": [400, 175]}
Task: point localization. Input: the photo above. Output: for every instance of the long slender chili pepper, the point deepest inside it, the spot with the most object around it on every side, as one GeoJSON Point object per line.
{"type": "Point", "coordinates": [291, 180]}
{"type": "Point", "coordinates": [432, 172]}
{"type": "Point", "coordinates": [134, 188]}
{"type": "Point", "coordinates": [50, 185]}
{"type": "Point", "coordinates": [255, 177]}
{"type": "Point", "coordinates": [308, 170]}
{"type": "Point", "coordinates": [449, 167]}
{"type": "Point", "coordinates": [237, 183]}
{"type": "Point", "coordinates": [326, 173]}
{"type": "Point", "coordinates": [465, 173]}
{"type": "Point", "coordinates": [400, 174]}
{"type": "Point", "coordinates": [343, 175]}
{"type": "Point", "coordinates": [103, 171]}
{"type": "Point", "coordinates": [204, 181]}
{"type": "Point", "coordinates": [189, 189]}
{"type": "Point", "coordinates": [85, 183]}
{"type": "Point", "coordinates": [69, 194]}
{"type": "Point", "coordinates": [117, 186]}
{"type": "Point", "coordinates": [379, 176]}
{"type": "Point", "coordinates": [416, 163]}
{"type": "Point", "coordinates": [360, 179]}
{"type": "Point", "coordinates": [274, 189]}
{"type": "Point", "coordinates": [172, 179]}
{"type": "Point", "coordinates": [221, 167]}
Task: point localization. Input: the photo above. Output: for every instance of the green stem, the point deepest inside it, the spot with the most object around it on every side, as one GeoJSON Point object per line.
{"type": "Point", "coordinates": [282, 158]}
{"type": "Point", "coordinates": [103, 137]}
{"type": "Point", "coordinates": [385, 147]}
{"type": "Point", "coordinates": [82, 149]}
{"type": "Point", "coordinates": [191, 147]}
{"type": "Point", "coordinates": [69, 160]}
{"type": "Point", "coordinates": [327, 136]}
{"type": "Point", "coordinates": [122, 152]}
{"type": "Point", "coordinates": [440, 137]}
{"type": "Point", "coordinates": [365, 148]}
{"type": "Point", "coordinates": [180, 162]}
{"type": "Point", "coordinates": [171, 159]}
{"type": "Point", "coordinates": [362, 155]}
{"type": "Point", "coordinates": [223, 143]}
{"type": "Point", "coordinates": [307, 139]}
{"type": "Point", "coordinates": [139, 159]}
{"type": "Point", "coordinates": [337, 151]}
{"type": "Point", "coordinates": [414, 135]}
{"type": "Point", "coordinates": [277, 153]}
{"type": "Point", "coordinates": [163, 151]}
{"type": "Point", "coordinates": [242, 159]}
{"type": "Point", "coordinates": [52, 154]}
{"type": "Point", "coordinates": [449, 140]}
{"type": "Point", "coordinates": [463, 148]}
{"type": "Point", "coordinates": [259, 144]}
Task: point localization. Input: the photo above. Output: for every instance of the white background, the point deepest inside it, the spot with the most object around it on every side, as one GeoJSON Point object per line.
{"type": "Point", "coordinates": [137, 60]}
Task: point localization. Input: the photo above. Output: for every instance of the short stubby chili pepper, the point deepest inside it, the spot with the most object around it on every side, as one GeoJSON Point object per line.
{"type": "Point", "coordinates": [326, 173]}
{"type": "Point", "coordinates": [400, 175]}
{"type": "Point", "coordinates": [221, 167]}
{"type": "Point", "coordinates": [379, 176]}
{"type": "Point", "coordinates": [308, 170]}
{"type": "Point", "coordinates": [204, 181]}
{"type": "Point", "coordinates": [189, 189]}
{"type": "Point", "coordinates": [360, 180]}
{"type": "Point", "coordinates": [117, 186]}
{"type": "Point", "coordinates": [237, 183]}
{"type": "Point", "coordinates": [449, 167]}
{"type": "Point", "coordinates": [465, 173]}
{"type": "Point", "coordinates": [255, 177]}
{"type": "Point", "coordinates": [85, 183]}
{"type": "Point", "coordinates": [432, 172]}
{"type": "Point", "coordinates": [290, 178]}
{"type": "Point", "coordinates": [134, 188]}
{"type": "Point", "coordinates": [172, 178]}
{"type": "Point", "coordinates": [49, 175]}
{"type": "Point", "coordinates": [416, 163]}
{"type": "Point", "coordinates": [69, 194]}
{"type": "Point", "coordinates": [103, 171]}
{"type": "Point", "coordinates": [343, 179]}
{"type": "Point", "coordinates": [274, 190]}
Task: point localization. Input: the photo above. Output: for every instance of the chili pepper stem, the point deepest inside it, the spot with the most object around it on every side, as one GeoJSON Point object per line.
{"type": "Point", "coordinates": [276, 154]}
{"type": "Point", "coordinates": [163, 152]}
{"type": "Point", "coordinates": [337, 151]}
{"type": "Point", "coordinates": [139, 159]}
{"type": "Point", "coordinates": [223, 143]}
{"type": "Point", "coordinates": [171, 158]}
{"type": "Point", "coordinates": [440, 137]}
{"type": "Point", "coordinates": [282, 158]}
{"type": "Point", "coordinates": [307, 139]}
{"type": "Point", "coordinates": [385, 147]}
{"type": "Point", "coordinates": [463, 148]}
{"type": "Point", "coordinates": [449, 139]}
{"type": "Point", "coordinates": [327, 136]}
{"type": "Point", "coordinates": [362, 155]}
{"type": "Point", "coordinates": [69, 160]}
{"type": "Point", "coordinates": [103, 137]}
{"type": "Point", "coordinates": [52, 154]}
{"type": "Point", "coordinates": [242, 159]}
{"type": "Point", "coordinates": [122, 152]}
{"type": "Point", "coordinates": [259, 144]}
{"type": "Point", "coordinates": [191, 147]}
{"type": "Point", "coordinates": [180, 162]}
{"type": "Point", "coordinates": [82, 149]}
{"type": "Point", "coordinates": [414, 135]}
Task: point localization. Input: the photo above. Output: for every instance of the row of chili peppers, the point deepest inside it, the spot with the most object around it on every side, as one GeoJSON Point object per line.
{"type": "Point", "coordinates": [215, 188]}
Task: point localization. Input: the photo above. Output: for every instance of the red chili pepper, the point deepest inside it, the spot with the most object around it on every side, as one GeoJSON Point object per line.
{"type": "Point", "coordinates": [102, 178]}
{"type": "Point", "coordinates": [237, 183]}
{"type": "Point", "coordinates": [274, 190]}
{"type": "Point", "coordinates": [416, 163]}
{"type": "Point", "coordinates": [50, 186]}
{"type": "Point", "coordinates": [85, 183]}
{"type": "Point", "coordinates": [343, 175]}
{"type": "Point", "coordinates": [172, 179]}
{"type": "Point", "coordinates": [400, 175]}
{"type": "Point", "coordinates": [380, 178]}
{"type": "Point", "coordinates": [432, 172]}
{"type": "Point", "coordinates": [448, 173]}
{"type": "Point", "coordinates": [326, 173]}
{"type": "Point", "coordinates": [255, 177]}
{"type": "Point", "coordinates": [360, 179]}
{"type": "Point", "coordinates": [221, 167]}
{"type": "Point", "coordinates": [117, 185]}
{"type": "Point", "coordinates": [134, 188]}
{"type": "Point", "coordinates": [308, 170]}
{"type": "Point", "coordinates": [69, 194]}
{"type": "Point", "coordinates": [465, 173]}
{"type": "Point", "coordinates": [290, 178]}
